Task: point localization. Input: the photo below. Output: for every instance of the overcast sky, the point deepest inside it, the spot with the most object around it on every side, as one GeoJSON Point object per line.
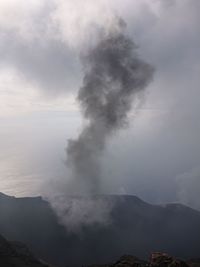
{"type": "Point", "coordinates": [156, 157]}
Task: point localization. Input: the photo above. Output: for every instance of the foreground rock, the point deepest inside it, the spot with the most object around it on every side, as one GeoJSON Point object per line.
{"type": "Point", "coordinates": [163, 260]}
{"type": "Point", "coordinates": [194, 263]}
{"type": "Point", "coordinates": [156, 260]}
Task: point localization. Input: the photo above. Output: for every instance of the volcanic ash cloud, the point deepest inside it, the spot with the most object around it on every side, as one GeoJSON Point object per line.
{"type": "Point", "coordinates": [114, 77]}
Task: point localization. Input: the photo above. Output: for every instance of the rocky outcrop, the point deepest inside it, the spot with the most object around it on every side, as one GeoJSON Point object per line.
{"type": "Point", "coordinates": [130, 261]}
{"type": "Point", "coordinates": [163, 260]}
{"type": "Point", "coordinates": [157, 259]}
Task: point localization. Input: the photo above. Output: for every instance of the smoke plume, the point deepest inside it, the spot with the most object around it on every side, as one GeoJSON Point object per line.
{"type": "Point", "coordinates": [78, 212]}
{"type": "Point", "coordinates": [114, 76]}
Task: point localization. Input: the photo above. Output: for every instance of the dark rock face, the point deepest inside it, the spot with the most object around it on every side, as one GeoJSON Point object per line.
{"type": "Point", "coordinates": [17, 255]}
{"type": "Point", "coordinates": [137, 228]}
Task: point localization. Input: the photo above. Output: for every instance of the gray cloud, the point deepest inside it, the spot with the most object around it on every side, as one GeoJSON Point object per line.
{"type": "Point", "coordinates": [32, 45]}
{"type": "Point", "coordinates": [47, 63]}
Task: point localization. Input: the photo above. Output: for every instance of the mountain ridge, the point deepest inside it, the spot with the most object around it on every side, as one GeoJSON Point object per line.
{"type": "Point", "coordinates": [138, 228]}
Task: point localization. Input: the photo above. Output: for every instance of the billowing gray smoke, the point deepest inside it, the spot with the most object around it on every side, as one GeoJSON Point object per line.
{"type": "Point", "coordinates": [114, 77]}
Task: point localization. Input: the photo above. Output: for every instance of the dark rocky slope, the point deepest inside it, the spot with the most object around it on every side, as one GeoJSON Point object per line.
{"type": "Point", "coordinates": [17, 255]}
